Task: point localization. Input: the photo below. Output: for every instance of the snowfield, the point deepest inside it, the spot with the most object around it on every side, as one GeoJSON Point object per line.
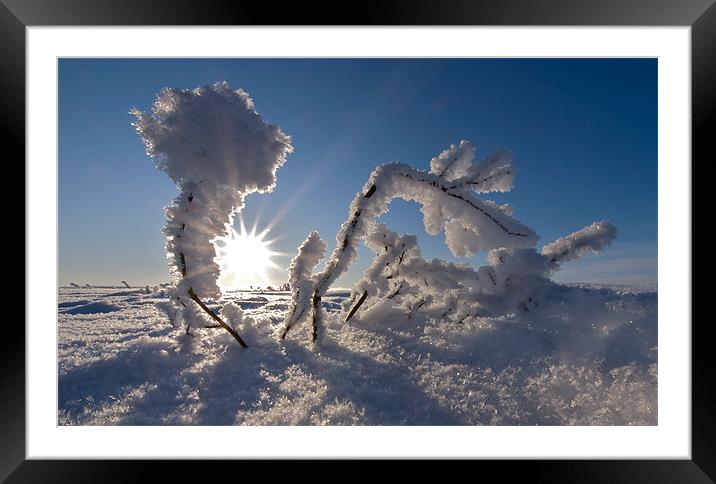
{"type": "Point", "coordinates": [120, 362]}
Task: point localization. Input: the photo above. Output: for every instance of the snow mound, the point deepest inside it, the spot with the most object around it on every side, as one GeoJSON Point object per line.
{"type": "Point", "coordinates": [93, 308]}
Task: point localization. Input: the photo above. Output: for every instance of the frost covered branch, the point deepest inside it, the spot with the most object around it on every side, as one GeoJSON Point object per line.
{"type": "Point", "coordinates": [399, 276]}
{"type": "Point", "coordinates": [217, 149]}
{"type": "Point", "coordinates": [590, 239]}
{"type": "Point", "coordinates": [302, 284]}
{"type": "Point", "coordinates": [447, 196]}
{"type": "Point", "coordinates": [514, 280]}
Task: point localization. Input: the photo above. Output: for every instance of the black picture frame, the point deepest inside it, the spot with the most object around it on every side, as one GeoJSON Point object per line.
{"type": "Point", "coordinates": [15, 15]}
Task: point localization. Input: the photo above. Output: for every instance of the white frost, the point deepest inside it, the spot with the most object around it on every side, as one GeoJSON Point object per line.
{"type": "Point", "coordinates": [213, 133]}
{"type": "Point", "coordinates": [217, 149]}
{"type": "Point", "coordinates": [447, 195]}
{"type": "Point", "coordinates": [301, 278]}
{"type": "Point", "coordinates": [590, 239]}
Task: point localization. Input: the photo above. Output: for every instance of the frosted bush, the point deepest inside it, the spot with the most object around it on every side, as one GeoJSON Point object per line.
{"type": "Point", "coordinates": [217, 149]}
{"type": "Point", "coordinates": [447, 195]}
{"type": "Point", "coordinates": [514, 279]}
{"type": "Point", "coordinates": [213, 133]}
{"type": "Point", "coordinates": [399, 278]}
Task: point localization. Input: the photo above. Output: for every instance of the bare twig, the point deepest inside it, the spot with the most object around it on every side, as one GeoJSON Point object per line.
{"type": "Point", "coordinates": [356, 306]}
{"type": "Point", "coordinates": [216, 318]}
{"type": "Point", "coordinates": [316, 316]}
{"type": "Point", "coordinates": [415, 307]}
{"type": "Point", "coordinates": [400, 261]}
{"type": "Point", "coordinates": [395, 293]}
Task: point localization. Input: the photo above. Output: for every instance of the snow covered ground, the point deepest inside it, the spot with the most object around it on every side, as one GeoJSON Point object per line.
{"type": "Point", "coordinates": [120, 362]}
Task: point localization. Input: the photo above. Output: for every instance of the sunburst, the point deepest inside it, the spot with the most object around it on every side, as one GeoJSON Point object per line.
{"type": "Point", "coordinates": [244, 258]}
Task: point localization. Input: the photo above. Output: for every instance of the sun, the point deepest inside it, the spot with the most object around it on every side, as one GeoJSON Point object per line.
{"type": "Point", "coordinates": [244, 258]}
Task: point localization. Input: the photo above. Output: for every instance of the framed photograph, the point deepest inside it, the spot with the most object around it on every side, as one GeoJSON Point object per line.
{"type": "Point", "coordinates": [424, 232]}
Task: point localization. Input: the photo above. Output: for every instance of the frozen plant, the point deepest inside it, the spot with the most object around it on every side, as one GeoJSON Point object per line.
{"type": "Point", "coordinates": [399, 276]}
{"type": "Point", "coordinates": [302, 283]}
{"type": "Point", "coordinates": [447, 194]}
{"type": "Point", "coordinates": [514, 279]}
{"type": "Point", "coordinates": [590, 239]}
{"type": "Point", "coordinates": [217, 149]}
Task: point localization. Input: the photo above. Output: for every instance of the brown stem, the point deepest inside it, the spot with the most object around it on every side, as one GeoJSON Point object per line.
{"type": "Point", "coordinates": [356, 306]}
{"type": "Point", "coordinates": [395, 293]}
{"type": "Point", "coordinates": [182, 264]}
{"type": "Point", "coordinates": [316, 316]}
{"type": "Point", "coordinates": [285, 331]}
{"type": "Point", "coordinates": [216, 318]}
{"type": "Point", "coordinates": [415, 308]}
{"type": "Point", "coordinates": [400, 261]}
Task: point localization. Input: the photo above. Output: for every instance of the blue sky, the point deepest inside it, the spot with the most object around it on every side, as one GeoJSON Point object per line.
{"type": "Point", "coordinates": [583, 133]}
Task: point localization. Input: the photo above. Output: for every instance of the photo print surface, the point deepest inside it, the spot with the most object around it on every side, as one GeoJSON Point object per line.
{"type": "Point", "coordinates": [357, 242]}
